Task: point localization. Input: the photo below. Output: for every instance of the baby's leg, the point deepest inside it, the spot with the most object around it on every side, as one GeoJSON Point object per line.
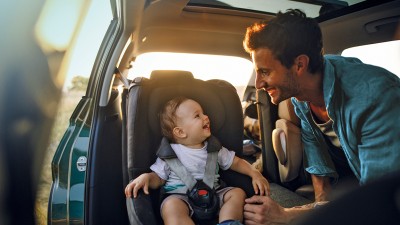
{"type": "Point", "coordinates": [175, 211]}
{"type": "Point", "coordinates": [232, 209]}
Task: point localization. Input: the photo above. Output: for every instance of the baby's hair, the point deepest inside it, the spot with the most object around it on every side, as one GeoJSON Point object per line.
{"type": "Point", "coordinates": [168, 117]}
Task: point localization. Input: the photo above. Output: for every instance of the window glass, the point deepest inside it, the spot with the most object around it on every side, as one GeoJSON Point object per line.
{"type": "Point", "coordinates": [81, 57]}
{"type": "Point", "coordinates": [310, 7]}
{"type": "Point", "coordinates": [385, 54]}
{"type": "Point", "coordinates": [235, 70]}
{"type": "Point", "coordinates": [88, 42]}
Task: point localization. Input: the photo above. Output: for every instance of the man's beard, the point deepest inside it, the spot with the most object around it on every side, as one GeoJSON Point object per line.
{"type": "Point", "coordinates": [289, 88]}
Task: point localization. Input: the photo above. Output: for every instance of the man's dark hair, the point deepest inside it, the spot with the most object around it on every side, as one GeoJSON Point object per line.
{"type": "Point", "coordinates": [287, 36]}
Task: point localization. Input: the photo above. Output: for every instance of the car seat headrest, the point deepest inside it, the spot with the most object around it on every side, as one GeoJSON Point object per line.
{"type": "Point", "coordinates": [170, 76]}
{"type": "Point", "coordinates": [286, 111]}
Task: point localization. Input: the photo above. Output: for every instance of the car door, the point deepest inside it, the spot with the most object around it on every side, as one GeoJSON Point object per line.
{"type": "Point", "coordinates": [76, 160]}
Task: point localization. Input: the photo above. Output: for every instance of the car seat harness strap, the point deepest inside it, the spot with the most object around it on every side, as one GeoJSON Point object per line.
{"type": "Point", "coordinates": [201, 193]}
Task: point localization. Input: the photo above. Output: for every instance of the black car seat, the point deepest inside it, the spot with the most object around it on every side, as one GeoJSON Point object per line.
{"type": "Point", "coordinates": [142, 134]}
{"type": "Point", "coordinates": [267, 115]}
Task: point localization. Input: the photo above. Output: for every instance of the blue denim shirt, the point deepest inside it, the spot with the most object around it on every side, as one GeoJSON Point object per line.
{"type": "Point", "coordinates": [364, 103]}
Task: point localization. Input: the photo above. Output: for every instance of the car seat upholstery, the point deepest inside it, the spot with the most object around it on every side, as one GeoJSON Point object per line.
{"type": "Point", "coordinates": [282, 152]}
{"type": "Point", "coordinates": [286, 141]}
{"type": "Point", "coordinates": [267, 115]}
{"type": "Point", "coordinates": [145, 99]}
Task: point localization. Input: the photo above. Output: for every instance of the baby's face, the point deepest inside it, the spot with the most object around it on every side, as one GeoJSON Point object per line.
{"type": "Point", "coordinates": [193, 121]}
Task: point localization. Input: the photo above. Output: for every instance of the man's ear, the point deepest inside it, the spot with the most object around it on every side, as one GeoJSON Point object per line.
{"type": "Point", "coordinates": [179, 132]}
{"type": "Point", "coordinates": [301, 63]}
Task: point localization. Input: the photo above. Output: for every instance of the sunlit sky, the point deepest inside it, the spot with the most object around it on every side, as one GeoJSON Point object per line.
{"type": "Point", "coordinates": [59, 21]}
{"type": "Point", "coordinates": [88, 43]}
{"type": "Point", "coordinates": [99, 16]}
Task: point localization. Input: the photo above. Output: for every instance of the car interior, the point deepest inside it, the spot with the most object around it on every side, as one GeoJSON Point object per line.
{"type": "Point", "coordinates": [126, 133]}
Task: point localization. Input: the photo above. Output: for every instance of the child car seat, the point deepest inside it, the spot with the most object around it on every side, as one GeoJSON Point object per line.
{"type": "Point", "coordinates": [281, 145]}
{"type": "Point", "coordinates": [286, 140]}
{"type": "Point", "coordinates": [142, 133]}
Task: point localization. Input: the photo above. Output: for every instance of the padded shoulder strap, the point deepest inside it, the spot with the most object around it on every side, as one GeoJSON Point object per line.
{"type": "Point", "coordinates": [180, 170]}
{"type": "Point", "coordinates": [211, 166]}
{"type": "Point", "coordinates": [209, 174]}
{"type": "Point", "coordinates": [176, 165]}
{"type": "Point", "coordinates": [165, 150]}
{"type": "Point", "coordinates": [213, 144]}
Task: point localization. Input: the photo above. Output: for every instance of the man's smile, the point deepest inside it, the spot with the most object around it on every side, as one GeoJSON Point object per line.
{"type": "Point", "coordinates": [271, 91]}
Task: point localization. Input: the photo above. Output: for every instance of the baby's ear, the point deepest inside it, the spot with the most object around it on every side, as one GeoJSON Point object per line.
{"type": "Point", "coordinates": [179, 132]}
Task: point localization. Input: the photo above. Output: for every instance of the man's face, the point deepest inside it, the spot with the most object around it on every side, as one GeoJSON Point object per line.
{"type": "Point", "coordinates": [277, 80]}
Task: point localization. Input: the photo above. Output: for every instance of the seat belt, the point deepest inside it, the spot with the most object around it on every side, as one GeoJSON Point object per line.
{"type": "Point", "coordinates": [201, 193]}
{"type": "Point", "coordinates": [209, 174]}
{"type": "Point", "coordinates": [123, 79]}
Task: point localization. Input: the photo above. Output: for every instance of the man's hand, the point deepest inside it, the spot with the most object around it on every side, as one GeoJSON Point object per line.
{"type": "Point", "coordinates": [263, 210]}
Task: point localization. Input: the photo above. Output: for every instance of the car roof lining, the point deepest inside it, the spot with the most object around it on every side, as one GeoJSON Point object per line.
{"type": "Point", "coordinates": [175, 26]}
{"type": "Point", "coordinates": [181, 28]}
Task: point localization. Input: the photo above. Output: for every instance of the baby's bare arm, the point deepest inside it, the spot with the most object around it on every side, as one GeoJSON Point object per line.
{"type": "Point", "coordinates": [145, 181]}
{"type": "Point", "coordinates": [260, 184]}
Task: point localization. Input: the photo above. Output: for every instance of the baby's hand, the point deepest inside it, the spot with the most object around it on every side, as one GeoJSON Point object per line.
{"type": "Point", "coordinates": [260, 184]}
{"type": "Point", "coordinates": [134, 186]}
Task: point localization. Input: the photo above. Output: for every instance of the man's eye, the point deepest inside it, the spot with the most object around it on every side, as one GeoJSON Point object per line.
{"type": "Point", "coordinates": [264, 73]}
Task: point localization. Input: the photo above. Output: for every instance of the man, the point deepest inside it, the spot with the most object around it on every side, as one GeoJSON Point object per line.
{"type": "Point", "coordinates": [349, 111]}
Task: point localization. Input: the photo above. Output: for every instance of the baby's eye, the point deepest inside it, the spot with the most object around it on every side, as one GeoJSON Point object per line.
{"type": "Point", "coordinates": [197, 116]}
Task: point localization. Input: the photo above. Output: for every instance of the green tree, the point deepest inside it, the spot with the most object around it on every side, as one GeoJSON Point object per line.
{"type": "Point", "coordinates": [79, 83]}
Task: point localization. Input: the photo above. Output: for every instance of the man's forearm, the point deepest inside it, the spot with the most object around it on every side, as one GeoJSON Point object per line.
{"type": "Point", "coordinates": [321, 186]}
{"type": "Point", "coordinates": [294, 212]}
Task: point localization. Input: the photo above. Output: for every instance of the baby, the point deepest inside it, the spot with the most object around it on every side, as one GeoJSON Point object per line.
{"type": "Point", "coordinates": [187, 129]}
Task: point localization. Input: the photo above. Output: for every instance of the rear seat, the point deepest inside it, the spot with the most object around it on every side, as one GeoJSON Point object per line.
{"type": "Point", "coordinates": [282, 152]}
{"type": "Point", "coordinates": [286, 141]}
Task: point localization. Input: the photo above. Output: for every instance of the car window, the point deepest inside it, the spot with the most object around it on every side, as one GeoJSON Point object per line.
{"type": "Point", "coordinates": [235, 70]}
{"type": "Point", "coordinates": [313, 8]}
{"type": "Point", "coordinates": [88, 43]}
{"type": "Point", "coordinates": [81, 57]}
{"type": "Point", "coordinates": [385, 54]}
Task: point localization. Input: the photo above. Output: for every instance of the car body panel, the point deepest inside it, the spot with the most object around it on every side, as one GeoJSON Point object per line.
{"type": "Point", "coordinates": [66, 202]}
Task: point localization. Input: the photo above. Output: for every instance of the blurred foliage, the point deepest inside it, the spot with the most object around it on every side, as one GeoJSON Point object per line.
{"type": "Point", "coordinates": [79, 83]}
